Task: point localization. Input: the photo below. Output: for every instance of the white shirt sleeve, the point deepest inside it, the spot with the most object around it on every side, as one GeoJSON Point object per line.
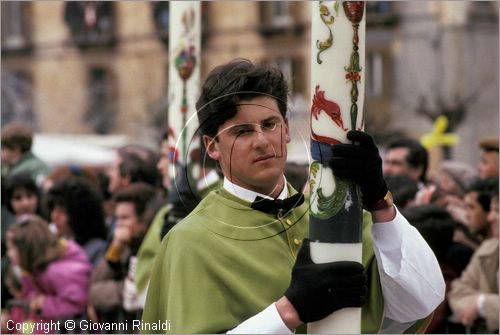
{"type": "Point", "coordinates": [410, 276]}
{"type": "Point", "coordinates": [266, 322]}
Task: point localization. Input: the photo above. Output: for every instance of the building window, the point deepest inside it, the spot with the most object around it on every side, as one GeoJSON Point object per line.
{"type": "Point", "coordinates": [15, 25]}
{"type": "Point", "coordinates": [280, 13]}
{"type": "Point", "coordinates": [161, 18]}
{"type": "Point", "coordinates": [278, 18]}
{"type": "Point", "coordinates": [158, 110]}
{"type": "Point", "coordinates": [483, 13]}
{"type": "Point", "coordinates": [299, 85]}
{"type": "Point", "coordinates": [17, 97]}
{"type": "Point", "coordinates": [91, 23]}
{"type": "Point", "coordinates": [375, 75]}
{"type": "Point", "coordinates": [294, 70]}
{"type": "Point", "coordinates": [101, 101]}
{"type": "Point", "coordinates": [285, 65]}
{"type": "Point", "coordinates": [381, 14]}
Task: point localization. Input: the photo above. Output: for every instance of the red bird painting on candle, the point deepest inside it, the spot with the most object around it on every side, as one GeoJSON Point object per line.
{"type": "Point", "coordinates": [332, 109]}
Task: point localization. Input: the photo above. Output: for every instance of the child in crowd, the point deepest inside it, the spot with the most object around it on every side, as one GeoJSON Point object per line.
{"type": "Point", "coordinates": [54, 273]}
{"type": "Point", "coordinates": [22, 196]}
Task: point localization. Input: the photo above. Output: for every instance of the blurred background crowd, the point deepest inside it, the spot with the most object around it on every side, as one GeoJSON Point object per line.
{"type": "Point", "coordinates": [90, 181]}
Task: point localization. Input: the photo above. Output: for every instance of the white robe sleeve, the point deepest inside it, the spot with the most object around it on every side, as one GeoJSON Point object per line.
{"type": "Point", "coordinates": [411, 280]}
{"type": "Point", "coordinates": [410, 276]}
{"type": "Point", "coordinates": [266, 322]}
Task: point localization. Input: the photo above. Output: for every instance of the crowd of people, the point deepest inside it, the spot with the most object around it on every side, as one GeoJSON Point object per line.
{"type": "Point", "coordinates": [456, 211]}
{"type": "Point", "coordinates": [80, 243]}
{"type": "Point", "coordinates": [96, 219]}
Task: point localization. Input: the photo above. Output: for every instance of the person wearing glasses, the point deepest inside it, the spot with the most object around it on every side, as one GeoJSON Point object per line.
{"type": "Point", "coordinates": [240, 261]}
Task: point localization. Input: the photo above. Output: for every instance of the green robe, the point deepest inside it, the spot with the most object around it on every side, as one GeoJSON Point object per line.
{"type": "Point", "coordinates": [226, 262]}
{"type": "Point", "coordinates": [147, 250]}
{"type": "Point", "coordinates": [151, 243]}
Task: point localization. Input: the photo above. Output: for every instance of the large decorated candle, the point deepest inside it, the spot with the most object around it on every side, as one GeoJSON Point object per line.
{"type": "Point", "coordinates": [184, 73]}
{"type": "Point", "coordinates": [337, 95]}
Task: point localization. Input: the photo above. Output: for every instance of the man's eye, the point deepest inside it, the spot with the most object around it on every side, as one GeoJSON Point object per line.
{"type": "Point", "coordinates": [244, 132]}
{"type": "Point", "coordinates": [269, 125]}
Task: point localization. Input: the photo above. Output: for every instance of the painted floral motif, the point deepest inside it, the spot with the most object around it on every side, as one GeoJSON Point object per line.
{"type": "Point", "coordinates": [328, 19]}
{"type": "Point", "coordinates": [327, 206]}
{"type": "Point", "coordinates": [354, 12]}
{"type": "Point", "coordinates": [185, 63]}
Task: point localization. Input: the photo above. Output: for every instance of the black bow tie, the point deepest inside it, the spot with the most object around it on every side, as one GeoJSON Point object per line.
{"type": "Point", "coordinates": [278, 206]}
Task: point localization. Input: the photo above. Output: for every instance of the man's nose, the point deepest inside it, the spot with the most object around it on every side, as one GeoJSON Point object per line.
{"type": "Point", "coordinates": [259, 139]}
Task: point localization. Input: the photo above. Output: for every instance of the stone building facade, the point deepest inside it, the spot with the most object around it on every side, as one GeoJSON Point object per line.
{"type": "Point", "coordinates": [102, 67]}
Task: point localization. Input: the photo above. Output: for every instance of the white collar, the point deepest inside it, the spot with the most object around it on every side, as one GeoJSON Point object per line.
{"type": "Point", "coordinates": [211, 178]}
{"type": "Point", "coordinates": [249, 195]}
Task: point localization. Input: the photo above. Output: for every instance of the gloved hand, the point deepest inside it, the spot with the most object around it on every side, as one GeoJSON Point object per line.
{"type": "Point", "coordinates": [317, 290]}
{"type": "Point", "coordinates": [362, 164]}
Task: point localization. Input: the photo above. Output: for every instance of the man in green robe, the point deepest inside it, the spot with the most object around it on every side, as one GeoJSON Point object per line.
{"type": "Point", "coordinates": [240, 263]}
{"type": "Point", "coordinates": [161, 223]}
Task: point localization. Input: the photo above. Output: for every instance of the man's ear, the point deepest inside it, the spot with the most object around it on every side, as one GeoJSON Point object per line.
{"type": "Point", "coordinates": [287, 132]}
{"type": "Point", "coordinates": [212, 147]}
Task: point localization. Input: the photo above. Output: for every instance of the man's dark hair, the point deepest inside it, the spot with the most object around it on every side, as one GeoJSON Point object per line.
{"type": "Point", "coordinates": [485, 189]}
{"type": "Point", "coordinates": [228, 84]}
{"type": "Point", "coordinates": [139, 169]}
{"type": "Point", "coordinates": [417, 154]}
{"type": "Point", "coordinates": [17, 135]}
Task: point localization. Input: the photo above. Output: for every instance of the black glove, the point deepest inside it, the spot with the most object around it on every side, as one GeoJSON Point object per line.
{"type": "Point", "coordinates": [317, 290]}
{"type": "Point", "coordinates": [362, 164]}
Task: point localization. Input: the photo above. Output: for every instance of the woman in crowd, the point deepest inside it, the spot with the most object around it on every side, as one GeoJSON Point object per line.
{"type": "Point", "coordinates": [22, 195]}
{"type": "Point", "coordinates": [76, 208]}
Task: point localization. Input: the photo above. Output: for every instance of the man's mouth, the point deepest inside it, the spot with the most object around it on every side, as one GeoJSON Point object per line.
{"type": "Point", "coordinates": [263, 158]}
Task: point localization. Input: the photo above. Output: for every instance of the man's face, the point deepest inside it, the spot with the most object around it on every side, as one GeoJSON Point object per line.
{"type": "Point", "coordinates": [251, 146]}
{"type": "Point", "coordinates": [476, 216]}
{"type": "Point", "coordinates": [126, 218]}
{"type": "Point", "coordinates": [163, 164]}
{"type": "Point", "coordinates": [10, 156]}
{"type": "Point", "coordinates": [488, 166]}
{"type": "Point", "coordinates": [115, 178]}
{"type": "Point", "coordinates": [395, 164]}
